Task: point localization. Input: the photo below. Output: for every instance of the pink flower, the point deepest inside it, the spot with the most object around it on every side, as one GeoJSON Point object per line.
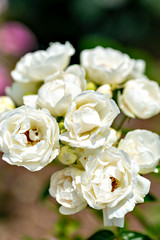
{"type": "Point", "coordinates": [16, 39]}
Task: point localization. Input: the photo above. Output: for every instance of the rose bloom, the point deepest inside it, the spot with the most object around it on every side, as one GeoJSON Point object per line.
{"type": "Point", "coordinates": [140, 98]}
{"type": "Point", "coordinates": [29, 138]}
{"type": "Point", "coordinates": [37, 66]}
{"type": "Point", "coordinates": [109, 66]}
{"type": "Point", "coordinates": [60, 89]}
{"type": "Point", "coordinates": [18, 90]}
{"type": "Point", "coordinates": [144, 147]}
{"type": "Point", "coordinates": [88, 120]}
{"type": "Point", "coordinates": [65, 186]}
{"type": "Point", "coordinates": [110, 182]}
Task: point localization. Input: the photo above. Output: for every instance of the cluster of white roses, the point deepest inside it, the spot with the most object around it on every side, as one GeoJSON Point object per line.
{"type": "Point", "coordinates": [68, 120]}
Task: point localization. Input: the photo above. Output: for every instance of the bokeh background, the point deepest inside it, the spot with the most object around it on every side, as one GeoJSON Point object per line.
{"type": "Point", "coordinates": [132, 26]}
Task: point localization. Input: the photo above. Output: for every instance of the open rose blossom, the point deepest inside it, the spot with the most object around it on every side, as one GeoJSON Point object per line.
{"type": "Point", "coordinates": [110, 182]}
{"type": "Point", "coordinates": [37, 66]}
{"type": "Point", "coordinates": [109, 66]}
{"type": "Point", "coordinates": [144, 147]}
{"type": "Point", "coordinates": [29, 138]}
{"type": "Point", "coordinates": [60, 89]}
{"type": "Point", "coordinates": [88, 120]}
{"type": "Point", "coordinates": [65, 186]}
{"type": "Point", "coordinates": [140, 98]}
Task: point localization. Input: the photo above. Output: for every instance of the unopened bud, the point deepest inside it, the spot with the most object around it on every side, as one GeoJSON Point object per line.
{"type": "Point", "coordinates": [61, 125]}
{"type": "Point", "coordinates": [91, 86]}
{"type": "Point", "coordinates": [67, 155]}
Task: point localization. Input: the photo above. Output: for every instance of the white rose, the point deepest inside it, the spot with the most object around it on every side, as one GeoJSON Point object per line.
{"type": "Point", "coordinates": [88, 120]}
{"type": "Point", "coordinates": [109, 182]}
{"type": "Point", "coordinates": [29, 138]}
{"type": "Point", "coordinates": [60, 89]}
{"type": "Point", "coordinates": [37, 66]}
{"type": "Point", "coordinates": [106, 65]}
{"type": "Point", "coordinates": [6, 104]}
{"type": "Point", "coordinates": [65, 186]}
{"type": "Point", "coordinates": [144, 147]}
{"type": "Point", "coordinates": [140, 98]}
{"type": "Point", "coordinates": [18, 90]}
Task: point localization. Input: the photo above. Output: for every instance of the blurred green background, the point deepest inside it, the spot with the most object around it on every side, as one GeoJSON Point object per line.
{"type": "Point", "coordinates": [132, 23]}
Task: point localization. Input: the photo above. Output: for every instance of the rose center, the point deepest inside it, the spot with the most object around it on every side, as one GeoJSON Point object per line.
{"type": "Point", "coordinates": [33, 135]}
{"type": "Point", "coordinates": [114, 183]}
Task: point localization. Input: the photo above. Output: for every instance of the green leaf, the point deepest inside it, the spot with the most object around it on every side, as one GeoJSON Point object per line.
{"type": "Point", "coordinates": [102, 235]}
{"type": "Point", "coordinates": [128, 235]}
{"type": "Point", "coordinates": [150, 198]}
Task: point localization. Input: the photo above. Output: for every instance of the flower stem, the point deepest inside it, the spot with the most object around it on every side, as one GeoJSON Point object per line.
{"type": "Point", "coordinates": [116, 232]}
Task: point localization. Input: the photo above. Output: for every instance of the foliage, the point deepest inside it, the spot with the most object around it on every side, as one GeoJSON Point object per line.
{"type": "Point", "coordinates": [124, 235]}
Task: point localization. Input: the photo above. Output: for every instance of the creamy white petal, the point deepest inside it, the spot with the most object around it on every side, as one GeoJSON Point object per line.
{"type": "Point", "coordinates": [65, 186]}
{"type": "Point", "coordinates": [140, 98]}
{"type": "Point", "coordinates": [29, 138]}
{"type": "Point", "coordinates": [68, 211]}
{"type": "Point", "coordinates": [144, 147]}
{"type": "Point", "coordinates": [117, 222]}
{"type": "Point", "coordinates": [35, 67]}
{"type": "Point", "coordinates": [110, 66]}
{"type": "Point", "coordinates": [141, 189]}
{"type": "Point", "coordinates": [30, 100]}
{"type": "Point", "coordinates": [18, 90]}
{"type": "Point", "coordinates": [88, 120]}
{"type": "Point", "coordinates": [60, 89]}
{"type": "Point", "coordinates": [111, 182]}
